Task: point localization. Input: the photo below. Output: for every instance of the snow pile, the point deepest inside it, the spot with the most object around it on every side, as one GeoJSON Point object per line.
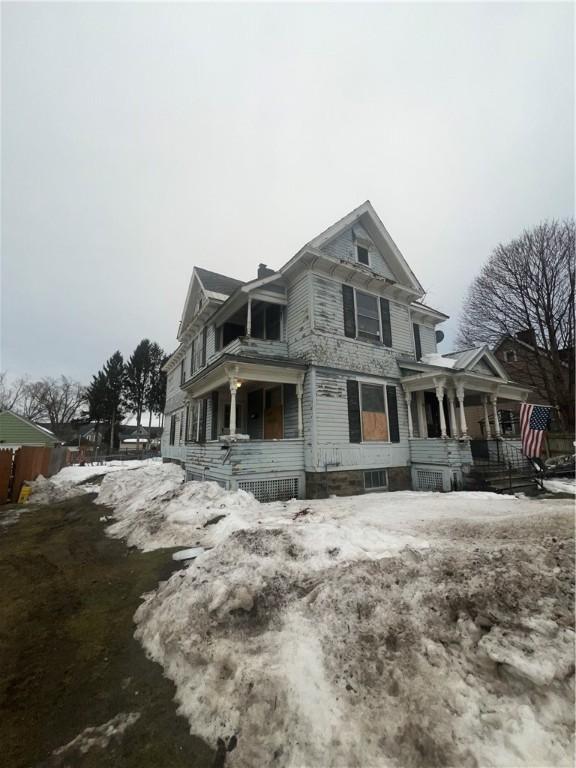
{"type": "Point", "coordinates": [75, 480]}
{"type": "Point", "coordinates": [560, 485]}
{"type": "Point", "coordinates": [435, 358]}
{"type": "Point", "coordinates": [411, 629]}
{"type": "Point", "coordinates": [154, 508]}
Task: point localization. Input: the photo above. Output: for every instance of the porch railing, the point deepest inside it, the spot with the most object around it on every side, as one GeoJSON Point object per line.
{"type": "Point", "coordinates": [503, 457]}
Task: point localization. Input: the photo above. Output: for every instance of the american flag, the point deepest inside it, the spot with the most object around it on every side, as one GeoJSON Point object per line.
{"type": "Point", "coordinates": [534, 421]}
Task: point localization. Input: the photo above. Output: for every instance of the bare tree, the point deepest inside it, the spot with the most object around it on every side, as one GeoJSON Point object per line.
{"type": "Point", "coordinates": [528, 285]}
{"type": "Point", "coordinates": [9, 392]}
{"type": "Point", "coordinates": [61, 399]}
{"type": "Point", "coordinates": [21, 396]}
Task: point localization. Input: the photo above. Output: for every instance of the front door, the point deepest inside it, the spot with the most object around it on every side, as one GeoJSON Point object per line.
{"type": "Point", "coordinates": [273, 414]}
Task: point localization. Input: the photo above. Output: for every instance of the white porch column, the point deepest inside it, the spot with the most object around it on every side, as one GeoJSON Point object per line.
{"type": "Point", "coordinates": [460, 396]}
{"type": "Point", "coordinates": [408, 396]}
{"type": "Point", "coordinates": [233, 388]}
{"type": "Point", "coordinates": [494, 401]}
{"type": "Point", "coordinates": [249, 317]}
{"type": "Point", "coordinates": [423, 427]}
{"type": "Point", "coordinates": [487, 430]}
{"type": "Point", "coordinates": [440, 396]}
{"type": "Point", "coordinates": [299, 390]}
{"type": "Point", "coordinates": [453, 424]}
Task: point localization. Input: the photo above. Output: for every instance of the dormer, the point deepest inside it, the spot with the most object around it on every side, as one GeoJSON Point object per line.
{"type": "Point", "coordinates": [206, 292]}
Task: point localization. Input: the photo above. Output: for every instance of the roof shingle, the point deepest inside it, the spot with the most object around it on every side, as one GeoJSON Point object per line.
{"type": "Point", "coordinates": [213, 281]}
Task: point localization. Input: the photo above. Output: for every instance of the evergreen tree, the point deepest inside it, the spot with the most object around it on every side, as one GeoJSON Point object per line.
{"type": "Point", "coordinates": [156, 394]}
{"type": "Point", "coordinates": [105, 396]}
{"type": "Point", "coordinates": [138, 370]}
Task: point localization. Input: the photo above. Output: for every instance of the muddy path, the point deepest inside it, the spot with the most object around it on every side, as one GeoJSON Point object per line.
{"type": "Point", "coordinates": [68, 659]}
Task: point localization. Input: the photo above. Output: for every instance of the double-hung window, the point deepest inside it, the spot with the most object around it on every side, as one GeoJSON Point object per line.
{"type": "Point", "coordinates": [362, 255]}
{"type": "Point", "coordinates": [367, 316]}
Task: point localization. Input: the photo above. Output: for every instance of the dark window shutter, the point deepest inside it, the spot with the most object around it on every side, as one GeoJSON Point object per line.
{"type": "Point", "coordinates": [349, 313]}
{"type": "Point", "coordinates": [393, 413]}
{"type": "Point", "coordinates": [202, 416]}
{"type": "Point", "coordinates": [417, 342]}
{"type": "Point", "coordinates": [353, 411]}
{"type": "Point", "coordinates": [214, 427]}
{"type": "Point", "coordinates": [192, 361]}
{"type": "Point", "coordinates": [204, 332]}
{"type": "Point", "coordinates": [187, 426]}
{"type": "Point", "coordinates": [386, 324]}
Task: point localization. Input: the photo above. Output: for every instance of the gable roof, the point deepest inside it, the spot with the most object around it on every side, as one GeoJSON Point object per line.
{"type": "Point", "coordinates": [217, 283]}
{"type": "Point", "coordinates": [367, 216]}
{"type": "Point", "coordinates": [466, 359]}
{"type": "Point", "coordinates": [16, 429]}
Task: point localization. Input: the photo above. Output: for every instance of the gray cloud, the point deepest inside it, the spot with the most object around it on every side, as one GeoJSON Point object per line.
{"type": "Point", "coordinates": [141, 139]}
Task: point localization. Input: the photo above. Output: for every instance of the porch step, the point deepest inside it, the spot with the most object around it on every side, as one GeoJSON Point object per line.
{"type": "Point", "coordinates": [504, 483]}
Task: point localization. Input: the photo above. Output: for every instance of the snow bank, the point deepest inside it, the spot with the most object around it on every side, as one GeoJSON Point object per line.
{"type": "Point", "coordinates": [560, 485]}
{"type": "Point", "coordinates": [75, 480]}
{"type": "Point", "coordinates": [389, 629]}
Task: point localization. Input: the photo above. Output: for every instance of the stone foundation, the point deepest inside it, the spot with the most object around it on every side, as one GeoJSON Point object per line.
{"type": "Point", "coordinates": [321, 485]}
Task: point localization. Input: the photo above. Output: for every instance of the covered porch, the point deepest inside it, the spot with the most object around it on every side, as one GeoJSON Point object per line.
{"type": "Point", "coordinates": [245, 421]}
{"type": "Point", "coordinates": [436, 399]}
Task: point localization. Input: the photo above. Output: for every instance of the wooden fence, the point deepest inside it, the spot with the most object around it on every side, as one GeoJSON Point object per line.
{"type": "Point", "coordinates": [26, 463]}
{"type": "Point", "coordinates": [559, 444]}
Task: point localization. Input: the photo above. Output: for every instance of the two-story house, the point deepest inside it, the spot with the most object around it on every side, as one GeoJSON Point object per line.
{"type": "Point", "coordinates": [323, 377]}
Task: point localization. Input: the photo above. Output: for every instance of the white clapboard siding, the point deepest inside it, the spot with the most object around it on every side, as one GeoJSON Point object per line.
{"type": "Point", "coordinates": [440, 451]}
{"type": "Point", "coordinates": [333, 439]}
{"type": "Point", "coordinates": [328, 309]}
{"type": "Point", "coordinates": [217, 460]}
{"type": "Point", "coordinates": [343, 247]}
{"type": "Point", "coordinates": [427, 339]}
{"type": "Point", "coordinates": [402, 339]}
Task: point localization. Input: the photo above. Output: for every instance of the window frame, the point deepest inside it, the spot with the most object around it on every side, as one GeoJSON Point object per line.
{"type": "Point", "coordinates": [371, 383]}
{"type": "Point", "coordinates": [364, 248]}
{"type": "Point", "coordinates": [376, 488]}
{"type": "Point", "coordinates": [376, 298]}
{"type": "Point", "coordinates": [510, 356]}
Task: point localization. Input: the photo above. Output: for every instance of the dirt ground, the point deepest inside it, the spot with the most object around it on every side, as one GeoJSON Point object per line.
{"type": "Point", "coordinates": [68, 659]}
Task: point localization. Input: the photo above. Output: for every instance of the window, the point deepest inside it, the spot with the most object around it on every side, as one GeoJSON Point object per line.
{"type": "Point", "coordinates": [510, 356]}
{"type": "Point", "coordinates": [362, 255]}
{"type": "Point", "coordinates": [266, 321]}
{"type": "Point", "coordinates": [373, 413]}
{"type": "Point", "coordinates": [375, 480]}
{"type": "Point", "coordinates": [368, 320]}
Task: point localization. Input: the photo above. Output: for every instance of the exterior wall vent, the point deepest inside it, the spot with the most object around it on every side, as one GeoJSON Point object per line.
{"type": "Point", "coordinates": [271, 490]}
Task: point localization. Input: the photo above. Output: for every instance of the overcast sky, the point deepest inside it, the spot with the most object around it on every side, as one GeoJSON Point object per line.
{"type": "Point", "coordinates": [139, 140]}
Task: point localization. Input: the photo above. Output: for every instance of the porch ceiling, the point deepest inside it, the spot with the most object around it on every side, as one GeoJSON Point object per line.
{"type": "Point", "coordinates": [242, 369]}
{"type": "Point", "coordinates": [472, 383]}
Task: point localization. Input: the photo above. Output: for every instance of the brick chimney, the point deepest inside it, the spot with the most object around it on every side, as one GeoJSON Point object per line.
{"type": "Point", "coordinates": [264, 271]}
{"type": "Point", "coordinates": [527, 336]}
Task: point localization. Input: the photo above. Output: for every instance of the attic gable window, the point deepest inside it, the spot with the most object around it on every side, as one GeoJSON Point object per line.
{"type": "Point", "coordinates": [362, 255]}
{"type": "Point", "coordinates": [510, 356]}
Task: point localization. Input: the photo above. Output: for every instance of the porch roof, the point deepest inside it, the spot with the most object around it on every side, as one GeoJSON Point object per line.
{"type": "Point", "coordinates": [228, 368]}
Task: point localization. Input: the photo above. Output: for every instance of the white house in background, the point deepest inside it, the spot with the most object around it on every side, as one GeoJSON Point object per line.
{"type": "Point", "coordinates": [323, 377]}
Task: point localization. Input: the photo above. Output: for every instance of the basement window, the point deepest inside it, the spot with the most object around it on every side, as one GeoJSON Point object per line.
{"type": "Point", "coordinates": [375, 480]}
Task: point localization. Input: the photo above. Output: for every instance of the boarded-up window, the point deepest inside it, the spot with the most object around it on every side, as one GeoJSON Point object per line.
{"type": "Point", "coordinates": [373, 409]}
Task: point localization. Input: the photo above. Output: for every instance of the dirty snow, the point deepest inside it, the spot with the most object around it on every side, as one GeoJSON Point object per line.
{"type": "Point", "coordinates": [75, 480]}
{"type": "Point", "coordinates": [406, 629]}
{"type": "Point", "coordinates": [99, 736]}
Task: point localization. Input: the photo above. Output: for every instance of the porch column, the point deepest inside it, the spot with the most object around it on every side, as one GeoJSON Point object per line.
{"type": "Point", "coordinates": [299, 390]}
{"type": "Point", "coordinates": [440, 396]}
{"type": "Point", "coordinates": [463, 425]}
{"type": "Point", "coordinates": [233, 389]}
{"type": "Point", "coordinates": [249, 317]}
{"type": "Point", "coordinates": [494, 401]}
{"type": "Point", "coordinates": [423, 427]}
{"type": "Point", "coordinates": [487, 430]}
{"type": "Point", "coordinates": [408, 396]}
{"type": "Point", "coordinates": [453, 424]}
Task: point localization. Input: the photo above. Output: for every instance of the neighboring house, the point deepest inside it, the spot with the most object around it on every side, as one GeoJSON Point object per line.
{"type": "Point", "coordinates": [16, 431]}
{"type": "Point", "coordinates": [131, 438]}
{"type": "Point", "coordinates": [525, 363]}
{"type": "Point", "coordinates": [323, 377]}
{"type": "Point", "coordinates": [73, 433]}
